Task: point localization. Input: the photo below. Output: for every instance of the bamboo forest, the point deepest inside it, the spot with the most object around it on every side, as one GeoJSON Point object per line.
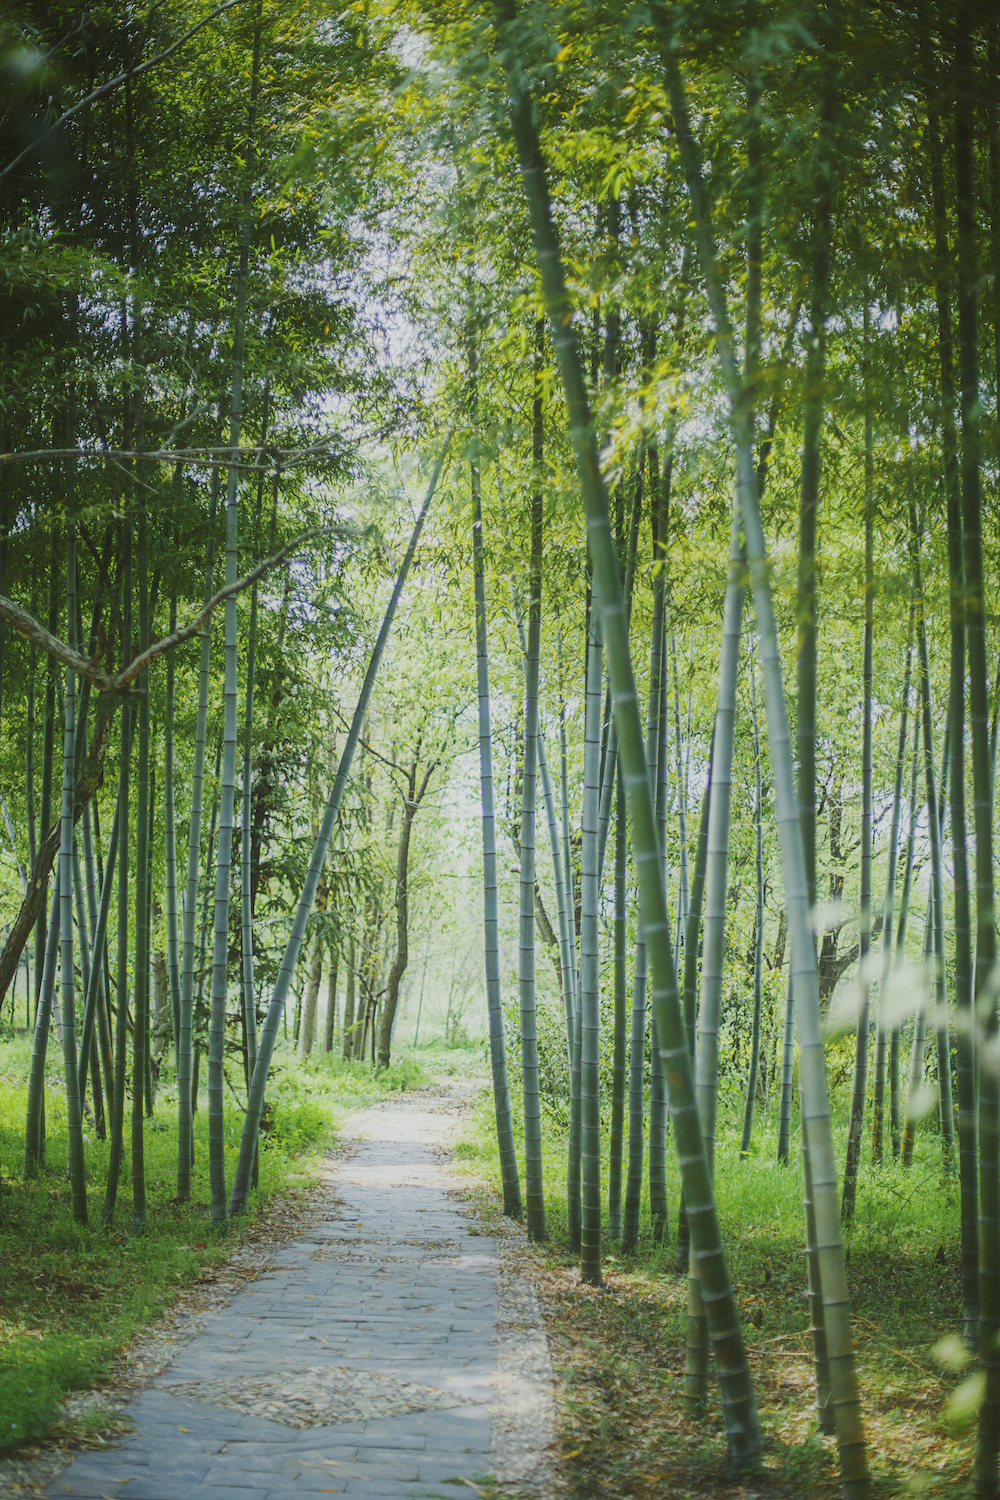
{"type": "Point", "coordinates": [499, 514]}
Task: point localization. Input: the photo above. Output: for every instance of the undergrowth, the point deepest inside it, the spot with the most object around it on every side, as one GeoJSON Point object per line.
{"type": "Point", "coordinates": [619, 1352]}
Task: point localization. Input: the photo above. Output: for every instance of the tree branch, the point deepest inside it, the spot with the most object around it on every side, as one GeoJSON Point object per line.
{"type": "Point", "coordinates": [25, 622]}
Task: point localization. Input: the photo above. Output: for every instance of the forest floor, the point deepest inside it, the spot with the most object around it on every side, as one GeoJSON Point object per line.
{"type": "Point", "coordinates": [618, 1352]}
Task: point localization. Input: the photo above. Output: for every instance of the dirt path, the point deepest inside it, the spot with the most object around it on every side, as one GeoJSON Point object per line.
{"type": "Point", "coordinates": [391, 1349]}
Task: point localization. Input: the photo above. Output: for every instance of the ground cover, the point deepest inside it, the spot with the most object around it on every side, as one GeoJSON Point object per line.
{"type": "Point", "coordinates": [618, 1353]}
{"type": "Point", "coordinates": [72, 1296]}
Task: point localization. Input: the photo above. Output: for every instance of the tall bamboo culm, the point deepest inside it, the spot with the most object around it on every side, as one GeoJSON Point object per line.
{"type": "Point", "coordinates": [512, 1205]}
{"type": "Point", "coordinates": [813, 1081]}
{"type": "Point", "coordinates": [739, 1404]}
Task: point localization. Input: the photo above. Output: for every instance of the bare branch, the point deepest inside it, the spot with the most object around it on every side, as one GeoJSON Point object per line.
{"type": "Point", "coordinates": [193, 627]}
{"type": "Point", "coordinates": [32, 630]}
{"type": "Point", "coordinates": [26, 624]}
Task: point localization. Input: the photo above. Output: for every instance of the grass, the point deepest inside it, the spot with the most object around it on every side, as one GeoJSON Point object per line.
{"type": "Point", "coordinates": [619, 1354]}
{"type": "Point", "coordinates": [73, 1295]}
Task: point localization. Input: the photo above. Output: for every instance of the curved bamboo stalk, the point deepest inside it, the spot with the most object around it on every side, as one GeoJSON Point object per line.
{"type": "Point", "coordinates": [269, 1030]}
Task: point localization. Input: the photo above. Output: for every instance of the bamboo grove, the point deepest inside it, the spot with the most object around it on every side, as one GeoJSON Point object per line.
{"type": "Point", "coordinates": [682, 325]}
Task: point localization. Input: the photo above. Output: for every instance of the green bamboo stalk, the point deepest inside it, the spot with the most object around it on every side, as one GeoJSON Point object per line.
{"type": "Point", "coordinates": [859, 1092]}
{"type": "Point", "coordinates": [895, 1109]}
{"type": "Point", "coordinates": [758, 937]}
{"type": "Point", "coordinates": [618, 1075]}
{"type": "Point", "coordinates": [657, 740]}
{"type": "Point", "coordinates": [74, 1107]}
{"type": "Point", "coordinates": [818, 1138]}
{"type": "Point", "coordinates": [121, 1019]}
{"type": "Point", "coordinates": [713, 942]}
{"type": "Point", "coordinates": [34, 1131]}
{"type": "Point", "coordinates": [99, 1025]}
{"type": "Point", "coordinates": [48, 745]}
{"type": "Point", "coordinates": [742, 1422]}
{"type": "Point", "coordinates": [566, 947]}
{"type": "Point", "coordinates": [918, 1048]}
{"type": "Point", "coordinates": [170, 843]}
{"type": "Point", "coordinates": [964, 1013]}
{"type": "Point", "coordinates": [185, 1090]}
{"type": "Point", "coordinates": [140, 1015]}
{"type": "Point", "coordinates": [534, 1189]}
{"type": "Point", "coordinates": [888, 910]}
{"type": "Point", "coordinates": [269, 1031]}
{"type": "Point", "coordinates": [573, 1207]}
{"type": "Point", "coordinates": [683, 879]}
{"type": "Point", "coordinates": [935, 813]}
{"type": "Point", "coordinates": [692, 954]}
{"type": "Point", "coordinates": [96, 975]}
{"type": "Point", "coordinates": [986, 1480]}
{"type": "Point", "coordinates": [590, 1117]}
{"type": "Point", "coordinates": [512, 1205]}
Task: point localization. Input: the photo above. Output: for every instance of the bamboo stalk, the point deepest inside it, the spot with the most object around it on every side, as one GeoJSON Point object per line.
{"type": "Point", "coordinates": [269, 1031]}
{"type": "Point", "coordinates": [512, 1205]}
{"type": "Point", "coordinates": [590, 1118]}
{"type": "Point", "coordinates": [817, 1132]}
{"type": "Point", "coordinates": [742, 1423]}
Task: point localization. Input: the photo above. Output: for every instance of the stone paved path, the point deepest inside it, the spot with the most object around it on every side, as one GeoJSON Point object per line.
{"type": "Point", "coordinates": [362, 1362]}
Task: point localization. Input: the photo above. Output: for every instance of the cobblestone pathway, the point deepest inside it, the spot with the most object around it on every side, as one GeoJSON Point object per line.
{"type": "Point", "coordinates": [364, 1361]}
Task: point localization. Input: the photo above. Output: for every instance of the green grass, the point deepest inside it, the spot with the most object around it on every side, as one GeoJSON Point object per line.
{"type": "Point", "coordinates": [73, 1295]}
{"type": "Point", "coordinates": [620, 1356]}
